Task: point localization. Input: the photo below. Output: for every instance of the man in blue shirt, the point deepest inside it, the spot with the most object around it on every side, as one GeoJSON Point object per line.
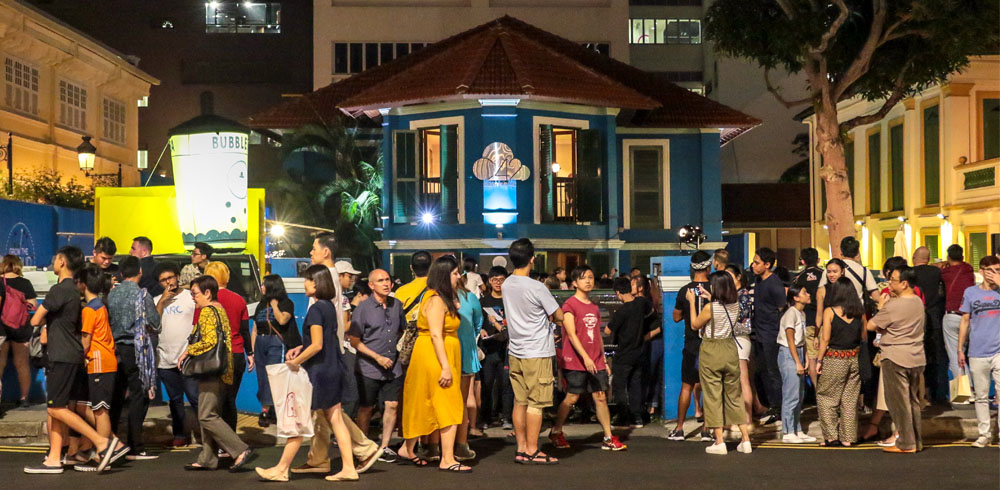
{"type": "Point", "coordinates": [768, 297]}
{"type": "Point", "coordinates": [981, 326]}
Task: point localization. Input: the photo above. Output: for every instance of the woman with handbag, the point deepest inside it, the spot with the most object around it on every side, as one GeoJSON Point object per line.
{"type": "Point", "coordinates": [274, 332]}
{"type": "Point", "coordinates": [842, 330]}
{"type": "Point", "coordinates": [320, 355]}
{"type": "Point", "coordinates": [209, 358]}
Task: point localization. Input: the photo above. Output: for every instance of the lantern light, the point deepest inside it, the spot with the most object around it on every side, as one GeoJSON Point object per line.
{"type": "Point", "coordinates": [556, 167]}
{"type": "Point", "coordinates": [86, 152]}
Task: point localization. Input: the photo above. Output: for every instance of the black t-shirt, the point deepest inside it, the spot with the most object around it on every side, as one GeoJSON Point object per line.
{"type": "Point", "coordinates": [148, 280]}
{"type": "Point", "coordinates": [809, 279]}
{"type": "Point", "coordinates": [492, 306]}
{"type": "Point", "coordinates": [768, 298]}
{"type": "Point", "coordinates": [62, 305]}
{"type": "Point", "coordinates": [289, 331]}
{"type": "Point", "coordinates": [691, 340]}
{"type": "Point", "coordinates": [21, 284]}
{"type": "Point", "coordinates": [628, 326]}
{"type": "Point", "coordinates": [930, 283]}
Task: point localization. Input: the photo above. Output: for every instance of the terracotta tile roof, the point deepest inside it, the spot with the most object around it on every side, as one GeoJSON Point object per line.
{"type": "Point", "coordinates": [508, 57]}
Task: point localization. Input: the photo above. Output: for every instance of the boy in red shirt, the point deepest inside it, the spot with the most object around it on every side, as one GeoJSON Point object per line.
{"type": "Point", "coordinates": [584, 365]}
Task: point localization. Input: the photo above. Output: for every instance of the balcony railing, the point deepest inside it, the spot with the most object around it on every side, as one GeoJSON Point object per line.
{"type": "Point", "coordinates": [565, 198]}
{"type": "Point", "coordinates": [977, 181]}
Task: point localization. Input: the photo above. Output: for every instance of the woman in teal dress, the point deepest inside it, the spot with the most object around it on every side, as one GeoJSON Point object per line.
{"type": "Point", "coordinates": [470, 315]}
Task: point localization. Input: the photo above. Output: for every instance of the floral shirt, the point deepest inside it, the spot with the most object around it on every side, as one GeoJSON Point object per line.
{"type": "Point", "coordinates": [208, 323]}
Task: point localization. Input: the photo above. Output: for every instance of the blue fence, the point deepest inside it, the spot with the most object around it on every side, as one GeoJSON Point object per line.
{"type": "Point", "coordinates": [34, 232]}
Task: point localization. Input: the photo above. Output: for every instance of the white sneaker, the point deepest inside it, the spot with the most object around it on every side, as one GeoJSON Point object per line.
{"type": "Point", "coordinates": [791, 439]}
{"type": "Point", "coordinates": [716, 449]}
{"type": "Point", "coordinates": [744, 447]}
{"type": "Point", "coordinates": [983, 441]}
{"type": "Point", "coordinates": [805, 437]}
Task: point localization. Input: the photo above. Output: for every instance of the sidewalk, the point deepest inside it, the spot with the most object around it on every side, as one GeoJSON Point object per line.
{"type": "Point", "coordinates": [26, 426]}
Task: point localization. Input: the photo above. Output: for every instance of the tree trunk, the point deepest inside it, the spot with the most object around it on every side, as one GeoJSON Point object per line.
{"type": "Point", "coordinates": [839, 203]}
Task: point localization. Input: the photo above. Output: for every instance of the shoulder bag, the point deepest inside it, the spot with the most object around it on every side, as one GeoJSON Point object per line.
{"type": "Point", "coordinates": [871, 307]}
{"type": "Point", "coordinates": [211, 362]}
{"type": "Point", "coordinates": [409, 335]}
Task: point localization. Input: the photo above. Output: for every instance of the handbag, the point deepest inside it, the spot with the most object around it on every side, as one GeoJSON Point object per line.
{"type": "Point", "coordinates": [959, 389]}
{"type": "Point", "coordinates": [211, 362]}
{"type": "Point", "coordinates": [409, 336]}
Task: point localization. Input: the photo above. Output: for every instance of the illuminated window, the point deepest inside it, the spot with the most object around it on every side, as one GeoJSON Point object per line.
{"type": "Point", "coordinates": [72, 105]}
{"type": "Point", "coordinates": [114, 121]}
{"type": "Point", "coordinates": [144, 101]}
{"type": "Point", "coordinates": [571, 172]}
{"type": "Point", "coordinates": [664, 31]}
{"type": "Point", "coordinates": [430, 168]}
{"type": "Point", "coordinates": [21, 86]}
{"type": "Point", "coordinates": [683, 31]}
{"type": "Point", "coordinates": [425, 174]}
{"type": "Point", "coordinates": [242, 17]}
{"type": "Point", "coordinates": [142, 160]}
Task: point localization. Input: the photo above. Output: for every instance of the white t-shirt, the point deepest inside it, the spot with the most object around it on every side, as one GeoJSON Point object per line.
{"type": "Point", "coordinates": [176, 323]}
{"type": "Point", "coordinates": [527, 304]}
{"type": "Point", "coordinates": [795, 320]}
{"type": "Point", "coordinates": [860, 271]}
{"type": "Point", "coordinates": [474, 283]}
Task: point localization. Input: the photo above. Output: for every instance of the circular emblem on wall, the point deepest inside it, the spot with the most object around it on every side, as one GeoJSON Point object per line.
{"type": "Point", "coordinates": [236, 179]}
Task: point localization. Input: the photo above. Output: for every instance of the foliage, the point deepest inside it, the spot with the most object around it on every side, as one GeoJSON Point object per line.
{"type": "Point", "coordinates": [47, 187]}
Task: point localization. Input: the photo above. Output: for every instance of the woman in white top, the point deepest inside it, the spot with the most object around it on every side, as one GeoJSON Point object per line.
{"type": "Point", "coordinates": [473, 281]}
{"type": "Point", "coordinates": [791, 364]}
{"type": "Point", "coordinates": [719, 361]}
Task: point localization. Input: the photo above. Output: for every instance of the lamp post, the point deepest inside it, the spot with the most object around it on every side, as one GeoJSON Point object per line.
{"type": "Point", "coordinates": [6, 152]}
{"type": "Point", "coordinates": [87, 153]}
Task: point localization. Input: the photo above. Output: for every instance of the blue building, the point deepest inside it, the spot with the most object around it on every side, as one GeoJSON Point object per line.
{"type": "Point", "coordinates": [508, 131]}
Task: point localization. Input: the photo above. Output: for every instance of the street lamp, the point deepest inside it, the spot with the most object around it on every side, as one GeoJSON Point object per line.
{"type": "Point", "coordinates": [87, 153]}
{"type": "Point", "coordinates": [6, 153]}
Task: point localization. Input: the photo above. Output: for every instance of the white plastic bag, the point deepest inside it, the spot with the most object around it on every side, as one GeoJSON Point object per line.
{"type": "Point", "coordinates": [292, 395]}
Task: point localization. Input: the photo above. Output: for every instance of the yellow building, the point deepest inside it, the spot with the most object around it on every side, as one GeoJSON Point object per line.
{"type": "Point", "coordinates": [926, 174]}
{"type": "Point", "coordinates": [60, 85]}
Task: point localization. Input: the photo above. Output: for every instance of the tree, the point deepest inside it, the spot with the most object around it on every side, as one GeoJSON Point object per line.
{"type": "Point", "coordinates": [874, 49]}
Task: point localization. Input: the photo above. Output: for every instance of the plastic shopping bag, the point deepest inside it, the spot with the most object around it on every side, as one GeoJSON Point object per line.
{"type": "Point", "coordinates": [292, 395]}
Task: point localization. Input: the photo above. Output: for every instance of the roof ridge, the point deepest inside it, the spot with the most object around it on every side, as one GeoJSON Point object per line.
{"type": "Point", "coordinates": [476, 64]}
{"type": "Point", "coordinates": [520, 70]}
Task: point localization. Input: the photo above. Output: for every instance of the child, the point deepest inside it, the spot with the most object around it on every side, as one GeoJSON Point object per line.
{"type": "Point", "coordinates": [99, 349]}
{"type": "Point", "coordinates": [586, 369]}
{"type": "Point", "coordinates": [791, 364]}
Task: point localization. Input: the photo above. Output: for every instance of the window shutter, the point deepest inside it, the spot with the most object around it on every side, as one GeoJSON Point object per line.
{"type": "Point", "coordinates": [896, 166]}
{"type": "Point", "coordinates": [449, 174]}
{"type": "Point", "coordinates": [590, 175]}
{"type": "Point", "coordinates": [546, 143]}
{"type": "Point", "coordinates": [874, 173]}
{"type": "Point", "coordinates": [932, 159]}
{"type": "Point", "coordinates": [407, 154]}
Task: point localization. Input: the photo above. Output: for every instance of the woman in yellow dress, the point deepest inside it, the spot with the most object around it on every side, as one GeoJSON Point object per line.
{"type": "Point", "coordinates": [433, 397]}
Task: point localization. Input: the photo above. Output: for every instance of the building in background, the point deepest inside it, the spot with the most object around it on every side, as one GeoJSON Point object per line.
{"type": "Point", "coordinates": [926, 174]}
{"type": "Point", "coordinates": [247, 53]}
{"type": "Point", "coordinates": [61, 85]}
{"type": "Point", "coordinates": [777, 215]}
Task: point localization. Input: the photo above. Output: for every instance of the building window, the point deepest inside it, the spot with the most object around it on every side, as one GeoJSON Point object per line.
{"type": "Point", "coordinates": [142, 160]}
{"type": "Point", "coordinates": [990, 129]}
{"type": "Point", "coordinates": [350, 58]}
{"type": "Point", "coordinates": [874, 172]}
{"type": "Point", "coordinates": [426, 174]}
{"type": "Point", "coordinates": [114, 121]}
{"type": "Point", "coordinates": [977, 247]}
{"type": "Point", "coordinates": [242, 17]}
{"type": "Point", "coordinates": [144, 101]}
{"type": "Point", "coordinates": [683, 31]}
{"type": "Point", "coordinates": [72, 105]}
{"type": "Point", "coordinates": [664, 31]}
{"type": "Point", "coordinates": [571, 185]}
{"type": "Point", "coordinates": [933, 243]}
{"type": "Point", "coordinates": [21, 87]}
{"type": "Point", "coordinates": [896, 166]}
{"type": "Point", "coordinates": [932, 155]}
{"type": "Point", "coordinates": [888, 245]}
{"type": "Point", "coordinates": [646, 187]}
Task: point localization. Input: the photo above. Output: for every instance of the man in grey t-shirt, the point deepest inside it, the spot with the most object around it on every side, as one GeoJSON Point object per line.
{"type": "Point", "coordinates": [528, 305]}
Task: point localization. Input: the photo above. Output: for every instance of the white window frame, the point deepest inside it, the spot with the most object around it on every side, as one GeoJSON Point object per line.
{"type": "Point", "coordinates": [536, 123]}
{"type": "Point", "coordinates": [627, 145]}
{"type": "Point", "coordinates": [115, 126]}
{"type": "Point", "coordinates": [29, 95]}
{"type": "Point", "coordinates": [65, 105]}
{"type": "Point", "coordinates": [459, 121]}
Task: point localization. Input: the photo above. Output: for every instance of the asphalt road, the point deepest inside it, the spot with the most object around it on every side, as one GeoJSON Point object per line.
{"type": "Point", "coordinates": [649, 463]}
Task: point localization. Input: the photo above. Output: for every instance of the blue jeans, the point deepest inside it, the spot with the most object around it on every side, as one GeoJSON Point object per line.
{"type": "Point", "coordinates": [268, 350]}
{"type": "Point", "coordinates": [793, 389]}
{"type": "Point", "coordinates": [178, 386]}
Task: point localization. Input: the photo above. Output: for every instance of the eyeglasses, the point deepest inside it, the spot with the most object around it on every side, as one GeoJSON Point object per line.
{"type": "Point", "coordinates": [496, 279]}
{"type": "Point", "coordinates": [167, 279]}
{"type": "Point", "coordinates": [195, 252]}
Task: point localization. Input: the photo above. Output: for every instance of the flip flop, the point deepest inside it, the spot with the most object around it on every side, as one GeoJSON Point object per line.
{"type": "Point", "coordinates": [521, 455]}
{"type": "Point", "coordinates": [457, 468]}
{"type": "Point", "coordinates": [414, 461]}
{"type": "Point", "coordinates": [545, 460]}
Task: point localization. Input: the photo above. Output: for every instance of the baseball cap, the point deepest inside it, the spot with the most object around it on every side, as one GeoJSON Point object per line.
{"type": "Point", "coordinates": [345, 267]}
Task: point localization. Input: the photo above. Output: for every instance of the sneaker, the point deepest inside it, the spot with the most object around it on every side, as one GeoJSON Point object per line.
{"type": "Point", "coordinates": [264, 420]}
{"type": "Point", "coordinates": [719, 448]}
{"type": "Point", "coordinates": [706, 436]}
{"type": "Point", "coordinates": [768, 418]}
{"type": "Point", "coordinates": [88, 467]}
{"type": "Point", "coordinates": [507, 425]}
{"type": "Point", "coordinates": [558, 440]}
{"type": "Point", "coordinates": [676, 435]}
{"type": "Point", "coordinates": [388, 456]}
{"type": "Point", "coordinates": [982, 441]}
{"type": "Point", "coordinates": [42, 469]}
{"type": "Point", "coordinates": [805, 437]}
{"type": "Point", "coordinates": [744, 447]}
{"type": "Point", "coordinates": [464, 453]}
{"type": "Point", "coordinates": [638, 425]}
{"type": "Point", "coordinates": [141, 456]}
{"type": "Point", "coordinates": [791, 439]}
{"type": "Point", "coordinates": [612, 444]}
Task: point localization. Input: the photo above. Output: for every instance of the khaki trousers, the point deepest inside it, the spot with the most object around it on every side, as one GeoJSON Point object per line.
{"type": "Point", "coordinates": [719, 369]}
{"type": "Point", "coordinates": [319, 450]}
{"type": "Point", "coordinates": [903, 390]}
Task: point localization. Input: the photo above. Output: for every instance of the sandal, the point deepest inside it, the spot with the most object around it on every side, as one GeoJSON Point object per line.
{"type": "Point", "coordinates": [523, 456]}
{"type": "Point", "coordinates": [457, 468]}
{"type": "Point", "coordinates": [545, 460]}
{"type": "Point", "coordinates": [414, 461]}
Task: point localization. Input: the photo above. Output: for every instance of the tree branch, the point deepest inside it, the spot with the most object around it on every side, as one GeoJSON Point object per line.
{"type": "Point", "coordinates": [898, 90]}
{"type": "Point", "coordinates": [777, 93]}
{"type": "Point", "coordinates": [832, 31]}
{"type": "Point", "coordinates": [786, 7]}
{"type": "Point", "coordinates": [861, 63]}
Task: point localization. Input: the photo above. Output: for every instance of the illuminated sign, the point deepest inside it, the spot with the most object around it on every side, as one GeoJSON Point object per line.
{"type": "Point", "coordinates": [210, 177]}
{"type": "Point", "coordinates": [499, 170]}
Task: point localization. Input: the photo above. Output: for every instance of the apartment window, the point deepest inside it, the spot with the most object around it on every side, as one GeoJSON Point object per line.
{"type": "Point", "coordinates": [142, 160]}
{"type": "Point", "coordinates": [646, 187]}
{"type": "Point", "coordinates": [896, 165]}
{"type": "Point", "coordinates": [665, 31]}
{"type": "Point", "coordinates": [932, 155]}
{"type": "Point", "coordinates": [990, 114]}
{"type": "Point", "coordinates": [21, 86]}
{"type": "Point", "coordinates": [572, 185]}
{"type": "Point", "coordinates": [72, 105]}
{"type": "Point", "coordinates": [114, 121]}
{"type": "Point", "coordinates": [933, 243]}
{"type": "Point", "coordinates": [426, 174]}
{"type": "Point", "coordinates": [683, 31]}
{"type": "Point", "coordinates": [350, 58]}
{"type": "Point", "coordinates": [242, 17]}
{"type": "Point", "coordinates": [874, 172]}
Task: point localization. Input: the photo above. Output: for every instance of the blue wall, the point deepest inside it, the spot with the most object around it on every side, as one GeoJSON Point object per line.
{"type": "Point", "coordinates": [31, 231]}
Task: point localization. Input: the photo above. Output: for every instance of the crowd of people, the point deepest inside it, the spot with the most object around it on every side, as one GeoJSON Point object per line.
{"type": "Point", "coordinates": [454, 352]}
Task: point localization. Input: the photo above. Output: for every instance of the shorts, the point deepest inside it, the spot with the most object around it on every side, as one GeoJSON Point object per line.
{"type": "Point", "coordinates": [580, 382]}
{"type": "Point", "coordinates": [102, 386]}
{"type": "Point", "coordinates": [812, 342]}
{"type": "Point", "coordinates": [17, 335]}
{"type": "Point", "coordinates": [743, 347]}
{"type": "Point", "coordinates": [370, 391]}
{"type": "Point", "coordinates": [65, 381]}
{"type": "Point", "coordinates": [532, 381]}
{"type": "Point", "coordinates": [689, 368]}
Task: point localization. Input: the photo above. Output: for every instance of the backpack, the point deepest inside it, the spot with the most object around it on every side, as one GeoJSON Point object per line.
{"type": "Point", "coordinates": [871, 307]}
{"type": "Point", "coordinates": [14, 312]}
